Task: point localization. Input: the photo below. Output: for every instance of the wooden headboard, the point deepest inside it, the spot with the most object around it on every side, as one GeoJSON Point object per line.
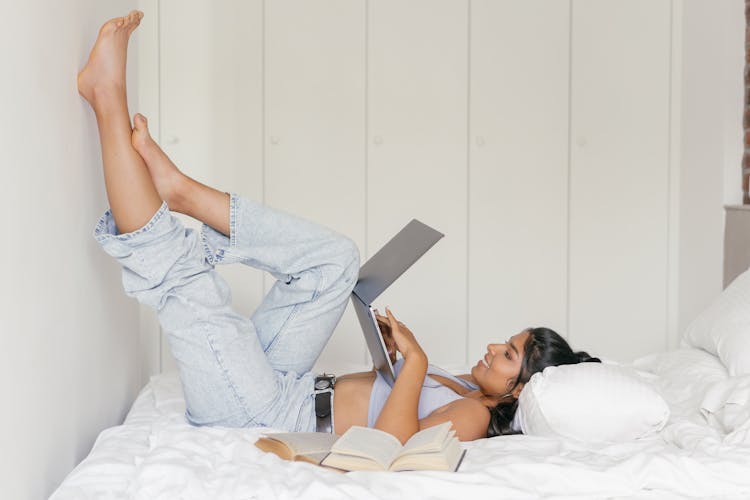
{"type": "Point", "coordinates": [736, 241]}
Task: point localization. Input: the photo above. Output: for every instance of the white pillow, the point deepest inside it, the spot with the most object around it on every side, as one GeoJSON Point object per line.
{"type": "Point", "coordinates": [590, 402]}
{"type": "Point", "coordinates": [726, 404]}
{"type": "Point", "coordinates": [723, 329]}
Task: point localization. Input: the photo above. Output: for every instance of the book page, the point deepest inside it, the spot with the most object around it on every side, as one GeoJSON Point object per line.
{"type": "Point", "coordinates": [350, 462]}
{"type": "Point", "coordinates": [313, 458]}
{"type": "Point", "coordinates": [371, 443]}
{"type": "Point", "coordinates": [448, 459]}
{"type": "Point", "coordinates": [305, 443]}
{"type": "Point", "coordinates": [430, 439]}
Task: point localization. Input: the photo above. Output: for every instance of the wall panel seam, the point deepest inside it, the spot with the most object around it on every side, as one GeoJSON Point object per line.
{"type": "Point", "coordinates": [366, 138]}
{"type": "Point", "coordinates": [673, 179]}
{"type": "Point", "coordinates": [568, 177]}
{"type": "Point", "coordinates": [264, 121]}
{"type": "Point", "coordinates": [158, 138]}
{"type": "Point", "coordinates": [667, 310]}
{"type": "Point", "coordinates": [468, 182]}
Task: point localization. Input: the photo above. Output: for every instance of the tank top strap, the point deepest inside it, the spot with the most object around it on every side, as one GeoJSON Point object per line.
{"type": "Point", "coordinates": [436, 370]}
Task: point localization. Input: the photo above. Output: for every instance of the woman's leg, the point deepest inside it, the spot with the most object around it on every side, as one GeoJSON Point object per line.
{"type": "Point", "coordinates": [182, 193]}
{"type": "Point", "coordinates": [132, 196]}
{"type": "Point", "coordinates": [315, 268]}
{"type": "Point", "coordinates": [227, 374]}
{"type": "Point", "coordinates": [226, 377]}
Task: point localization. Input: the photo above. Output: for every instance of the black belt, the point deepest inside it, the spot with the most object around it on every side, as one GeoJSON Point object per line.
{"type": "Point", "coordinates": [324, 402]}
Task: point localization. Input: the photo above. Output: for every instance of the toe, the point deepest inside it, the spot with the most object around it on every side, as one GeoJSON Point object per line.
{"type": "Point", "coordinates": [112, 25]}
{"type": "Point", "coordinates": [134, 19]}
{"type": "Point", "coordinates": [141, 135]}
{"type": "Point", "coordinates": [140, 122]}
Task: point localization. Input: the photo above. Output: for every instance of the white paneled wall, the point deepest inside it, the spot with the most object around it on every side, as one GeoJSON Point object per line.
{"type": "Point", "coordinates": [518, 169]}
{"type": "Point", "coordinates": [711, 103]}
{"type": "Point", "coordinates": [71, 361]}
{"type": "Point", "coordinates": [417, 159]}
{"type": "Point", "coordinates": [315, 127]}
{"type": "Point", "coordinates": [211, 107]}
{"type": "Point", "coordinates": [535, 135]}
{"type": "Point", "coordinates": [619, 175]}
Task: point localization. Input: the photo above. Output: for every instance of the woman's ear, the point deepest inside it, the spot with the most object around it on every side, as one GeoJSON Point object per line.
{"type": "Point", "coordinates": [517, 390]}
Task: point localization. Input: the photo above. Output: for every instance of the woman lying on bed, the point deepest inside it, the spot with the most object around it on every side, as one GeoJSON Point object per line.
{"type": "Point", "coordinates": [238, 371]}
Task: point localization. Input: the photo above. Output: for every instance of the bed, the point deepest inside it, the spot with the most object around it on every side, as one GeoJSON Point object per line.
{"type": "Point", "coordinates": [702, 452]}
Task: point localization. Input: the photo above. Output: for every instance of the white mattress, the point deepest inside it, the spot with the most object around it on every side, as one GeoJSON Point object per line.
{"type": "Point", "coordinates": [702, 452]}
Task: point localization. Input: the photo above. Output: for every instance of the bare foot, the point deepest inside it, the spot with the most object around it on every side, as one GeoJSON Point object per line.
{"type": "Point", "coordinates": [105, 70]}
{"type": "Point", "coordinates": [167, 178]}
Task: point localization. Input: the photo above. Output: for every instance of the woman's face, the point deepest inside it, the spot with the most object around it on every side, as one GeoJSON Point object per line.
{"type": "Point", "coordinates": [498, 370]}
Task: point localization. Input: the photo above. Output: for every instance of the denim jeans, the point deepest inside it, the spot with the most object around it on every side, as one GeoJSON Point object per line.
{"type": "Point", "coordinates": [237, 371]}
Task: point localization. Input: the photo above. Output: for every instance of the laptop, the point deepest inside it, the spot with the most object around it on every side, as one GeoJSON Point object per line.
{"type": "Point", "coordinates": [377, 274]}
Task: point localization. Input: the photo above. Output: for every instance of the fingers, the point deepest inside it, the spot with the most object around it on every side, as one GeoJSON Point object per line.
{"type": "Point", "coordinates": [385, 330]}
{"type": "Point", "coordinates": [380, 316]}
{"type": "Point", "coordinates": [391, 347]}
{"type": "Point", "coordinates": [394, 323]}
{"type": "Point", "coordinates": [389, 320]}
{"type": "Point", "coordinates": [403, 338]}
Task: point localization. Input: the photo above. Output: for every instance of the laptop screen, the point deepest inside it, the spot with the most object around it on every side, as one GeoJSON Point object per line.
{"type": "Point", "coordinates": [374, 339]}
{"type": "Point", "coordinates": [377, 274]}
{"type": "Point", "coordinates": [393, 259]}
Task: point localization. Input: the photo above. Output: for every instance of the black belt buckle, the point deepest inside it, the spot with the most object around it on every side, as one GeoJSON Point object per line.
{"type": "Point", "coordinates": [323, 398]}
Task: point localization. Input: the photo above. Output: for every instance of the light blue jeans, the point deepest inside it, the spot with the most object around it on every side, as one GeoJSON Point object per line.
{"type": "Point", "coordinates": [238, 371]}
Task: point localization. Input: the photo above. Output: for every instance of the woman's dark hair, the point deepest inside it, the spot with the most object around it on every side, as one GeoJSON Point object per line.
{"type": "Point", "coordinates": [543, 348]}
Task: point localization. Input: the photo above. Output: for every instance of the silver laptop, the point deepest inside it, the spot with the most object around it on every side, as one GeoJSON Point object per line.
{"type": "Point", "coordinates": [377, 274]}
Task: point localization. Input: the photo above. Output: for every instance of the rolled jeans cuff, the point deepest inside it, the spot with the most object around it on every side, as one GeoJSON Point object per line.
{"type": "Point", "coordinates": [155, 257]}
{"type": "Point", "coordinates": [215, 244]}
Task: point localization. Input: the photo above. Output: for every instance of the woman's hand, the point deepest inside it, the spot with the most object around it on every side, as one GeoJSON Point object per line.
{"type": "Point", "coordinates": [400, 415]}
{"type": "Point", "coordinates": [385, 331]}
{"type": "Point", "coordinates": [403, 338]}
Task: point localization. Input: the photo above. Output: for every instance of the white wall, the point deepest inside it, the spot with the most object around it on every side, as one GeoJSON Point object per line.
{"type": "Point", "coordinates": [541, 137]}
{"type": "Point", "coordinates": [72, 357]}
{"type": "Point", "coordinates": [70, 361]}
{"type": "Point", "coordinates": [711, 145]}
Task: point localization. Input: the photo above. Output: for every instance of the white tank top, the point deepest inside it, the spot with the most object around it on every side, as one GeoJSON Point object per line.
{"type": "Point", "coordinates": [433, 395]}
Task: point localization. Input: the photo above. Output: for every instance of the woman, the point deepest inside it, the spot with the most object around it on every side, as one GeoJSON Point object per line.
{"type": "Point", "coordinates": [238, 371]}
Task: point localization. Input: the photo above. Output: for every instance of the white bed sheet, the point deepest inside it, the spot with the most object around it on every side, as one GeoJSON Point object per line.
{"type": "Point", "coordinates": [703, 452]}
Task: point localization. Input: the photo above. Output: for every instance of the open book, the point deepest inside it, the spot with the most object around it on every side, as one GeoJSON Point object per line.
{"type": "Point", "coordinates": [362, 448]}
{"type": "Point", "coordinates": [309, 447]}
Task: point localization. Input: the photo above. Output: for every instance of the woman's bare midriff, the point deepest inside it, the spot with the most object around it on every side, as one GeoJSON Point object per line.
{"type": "Point", "coordinates": [351, 399]}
